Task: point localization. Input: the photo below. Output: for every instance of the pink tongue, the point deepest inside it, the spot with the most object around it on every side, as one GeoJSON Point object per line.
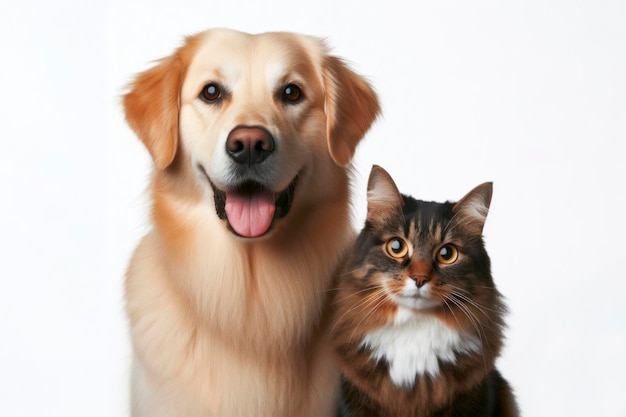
{"type": "Point", "coordinates": [250, 215]}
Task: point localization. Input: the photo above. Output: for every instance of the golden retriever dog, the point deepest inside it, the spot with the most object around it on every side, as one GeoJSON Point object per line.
{"type": "Point", "coordinates": [252, 138]}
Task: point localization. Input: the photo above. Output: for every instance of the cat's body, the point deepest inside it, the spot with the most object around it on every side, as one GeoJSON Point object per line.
{"type": "Point", "coordinates": [419, 322]}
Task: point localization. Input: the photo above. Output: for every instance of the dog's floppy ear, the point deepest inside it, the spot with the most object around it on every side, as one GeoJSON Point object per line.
{"type": "Point", "coordinates": [152, 107]}
{"type": "Point", "coordinates": [351, 108]}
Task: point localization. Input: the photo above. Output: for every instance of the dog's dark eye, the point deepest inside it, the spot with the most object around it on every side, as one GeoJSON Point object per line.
{"type": "Point", "coordinates": [292, 94]}
{"type": "Point", "coordinates": [211, 93]}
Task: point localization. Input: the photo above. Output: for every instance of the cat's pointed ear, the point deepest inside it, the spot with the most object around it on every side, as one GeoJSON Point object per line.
{"type": "Point", "coordinates": [383, 198]}
{"type": "Point", "coordinates": [471, 211]}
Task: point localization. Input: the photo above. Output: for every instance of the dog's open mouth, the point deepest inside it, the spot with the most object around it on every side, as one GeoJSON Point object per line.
{"type": "Point", "coordinates": [250, 208]}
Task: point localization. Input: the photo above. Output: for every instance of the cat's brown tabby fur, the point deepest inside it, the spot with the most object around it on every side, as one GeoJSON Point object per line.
{"type": "Point", "coordinates": [419, 322]}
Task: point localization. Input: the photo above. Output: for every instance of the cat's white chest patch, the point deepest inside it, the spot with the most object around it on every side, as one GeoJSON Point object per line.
{"type": "Point", "coordinates": [414, 343]}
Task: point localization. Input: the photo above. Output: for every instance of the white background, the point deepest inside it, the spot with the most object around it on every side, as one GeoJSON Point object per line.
{"type": "Point", "coordinates": [530, 95]}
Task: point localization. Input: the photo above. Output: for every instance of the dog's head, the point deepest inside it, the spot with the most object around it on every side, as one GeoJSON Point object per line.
{"type": "Point", "coordinates": [258, 118]}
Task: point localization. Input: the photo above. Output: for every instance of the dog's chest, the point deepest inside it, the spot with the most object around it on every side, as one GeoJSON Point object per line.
{"type": "Point", "coordinates": [413, 344]}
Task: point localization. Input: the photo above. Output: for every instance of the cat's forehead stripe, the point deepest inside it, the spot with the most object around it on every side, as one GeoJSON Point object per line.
{"type": "Point", "coordinates": [427, 226]}
{"type": "Point", "coordinates": [410, 232]}
{"type": "Point", "coordinates": [438, 232]}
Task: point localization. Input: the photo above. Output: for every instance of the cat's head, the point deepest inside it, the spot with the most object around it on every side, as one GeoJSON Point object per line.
{"type": "Point", "coordinates": [425, 256]}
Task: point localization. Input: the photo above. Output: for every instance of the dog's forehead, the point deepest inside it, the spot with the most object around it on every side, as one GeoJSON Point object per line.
{"type": "Point", "coordinates": [230, 57]}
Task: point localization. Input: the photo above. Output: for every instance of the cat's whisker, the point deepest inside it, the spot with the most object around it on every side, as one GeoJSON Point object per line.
{"type": "Point", "coordinates": [445, 302]}
{"type": "Point", "coordinates": [475, 322]}
{"type": "Point", "coordinates": [468, 300]}
{"type": "Point", "coordinates": [491, 323]}
{"type": "Point", "coordinates": [478, 327]}
{"type": "Point", "coordinates": [380, 299]}
{"type": "Point", "coordinates": [352, 294]}
{"type": "Point", "coordinates": [362, 303]}
{"type": "Point", "coordinates": [351, 272]}
{"type": "Point", "coordinates": [466, 296]}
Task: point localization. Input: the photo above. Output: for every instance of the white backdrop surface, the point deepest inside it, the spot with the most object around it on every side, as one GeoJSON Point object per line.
{"type": "Point", "coordinates": [530, 95]}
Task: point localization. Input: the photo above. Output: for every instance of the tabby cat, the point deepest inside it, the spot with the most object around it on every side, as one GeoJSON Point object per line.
{"type": "Point", "coordinates": [418, 322]}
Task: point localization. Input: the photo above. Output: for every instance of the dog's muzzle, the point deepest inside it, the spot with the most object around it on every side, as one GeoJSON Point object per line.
{"type": "Point", "coordinates": [249, 206]}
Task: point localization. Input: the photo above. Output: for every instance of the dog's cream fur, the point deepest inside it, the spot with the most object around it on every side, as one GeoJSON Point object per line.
{"type": "Point", "coordinates": [222, 325]}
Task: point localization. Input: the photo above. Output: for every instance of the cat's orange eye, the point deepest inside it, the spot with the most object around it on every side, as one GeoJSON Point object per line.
{"type": "Point", "coordinates": [397, 248]}
{"type": "Point", "coordinates": [447, 254]}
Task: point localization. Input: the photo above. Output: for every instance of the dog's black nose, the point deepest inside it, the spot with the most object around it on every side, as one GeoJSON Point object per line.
{"type": "Point", "coordinates": [249, 145]}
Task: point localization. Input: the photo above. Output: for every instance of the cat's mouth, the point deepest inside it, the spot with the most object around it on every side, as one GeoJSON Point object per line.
{"type": "Point", "coordinates": [416, 300]}
{"type": "Point", "coordinates": [250, 208]}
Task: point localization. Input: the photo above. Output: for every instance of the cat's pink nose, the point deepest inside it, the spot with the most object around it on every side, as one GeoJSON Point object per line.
{"type": "Point", "coordinates": [420, 272]}
{"type": "Point", "coordinates": [420, 279]}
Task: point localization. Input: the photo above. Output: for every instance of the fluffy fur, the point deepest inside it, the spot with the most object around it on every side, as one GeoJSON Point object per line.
{"type": "Point", "coordinates": [223, 325]}
{"type": "Point", "coordinates": [419, 320]}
